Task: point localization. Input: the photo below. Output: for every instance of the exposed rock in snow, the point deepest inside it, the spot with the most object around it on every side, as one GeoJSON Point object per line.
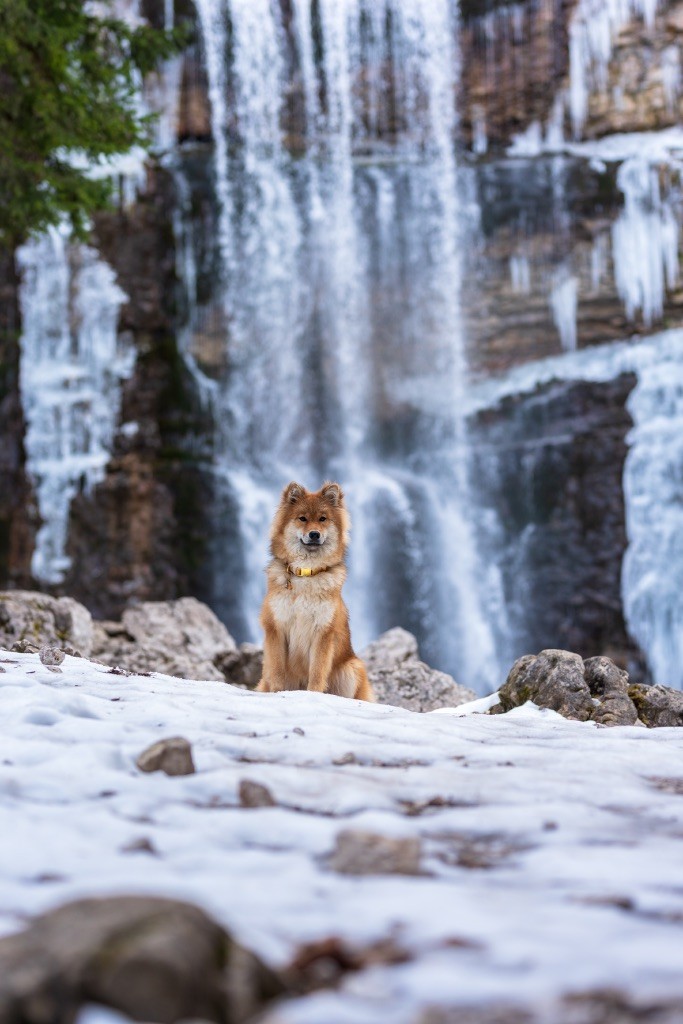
{"type": "Point", "coordinates": [151, 959]}
{"type": "Point", "coordinates": [51, 655]}
{"type": "Point", "coordinates": [173, 756]}
{"type": "Point", "coordinates": [366, 853]}
{"type": "Point", "coordinates": [39, 619]}
{"type": "Point", "coordinates": [399, 678]}
{"type": "Point", "coordinates": [595, 689]}
{"type": "Point", "coordinates": [551, 679]}
{"type": "Point", "coordinates": [253, 794]}
{"type": "Point", "coordinates": [658, 705]}
{"type": "Point", "coordinates": [181, 638]}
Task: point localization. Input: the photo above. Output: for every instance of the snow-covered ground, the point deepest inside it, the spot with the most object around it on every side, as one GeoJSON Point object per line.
{"type": "Point", "coordinates": [554, 863]}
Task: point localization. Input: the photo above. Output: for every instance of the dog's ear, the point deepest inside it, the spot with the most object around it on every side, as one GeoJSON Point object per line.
{"type": "Point", "coordinates": [332, 493]}
{"type": "Point", "coordinates": [292, 493]}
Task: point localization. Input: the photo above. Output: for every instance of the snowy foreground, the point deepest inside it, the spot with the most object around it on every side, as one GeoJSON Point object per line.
{"type": "Point", "coordinates": [552, 860]}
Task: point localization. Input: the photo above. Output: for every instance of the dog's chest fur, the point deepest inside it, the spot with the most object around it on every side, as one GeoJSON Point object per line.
{"type": "Point", "coordinates": [303, 612]}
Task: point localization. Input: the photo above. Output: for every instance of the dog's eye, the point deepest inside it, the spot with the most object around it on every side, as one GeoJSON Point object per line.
{"type": "Point", "coordinates": [303, 519]}
{"type": "Point", "coordinates": [323, 519]}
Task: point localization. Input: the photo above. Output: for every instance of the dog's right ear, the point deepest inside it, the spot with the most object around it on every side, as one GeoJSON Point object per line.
{"type": "Point", "coordinates": [292, 493]}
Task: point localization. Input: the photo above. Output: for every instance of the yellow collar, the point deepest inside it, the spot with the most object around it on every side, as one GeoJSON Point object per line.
{"type": "Point", "coordinates": [306, 571]}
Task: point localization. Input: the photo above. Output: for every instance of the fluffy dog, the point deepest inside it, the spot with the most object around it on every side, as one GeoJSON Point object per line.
{"type": "Point", "coordinates": [306, 623]}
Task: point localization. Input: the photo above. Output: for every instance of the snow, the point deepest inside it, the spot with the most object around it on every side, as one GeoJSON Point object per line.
{"type": "Point", "coordinates": [567, 811]}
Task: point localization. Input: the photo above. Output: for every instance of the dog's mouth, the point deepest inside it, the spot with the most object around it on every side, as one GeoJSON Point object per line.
{"type": "Point", "coordinates": [312, 543]}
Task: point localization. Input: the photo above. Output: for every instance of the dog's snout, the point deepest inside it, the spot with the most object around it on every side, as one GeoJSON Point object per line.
{"type": "Point", "coordinates": [313, 535]}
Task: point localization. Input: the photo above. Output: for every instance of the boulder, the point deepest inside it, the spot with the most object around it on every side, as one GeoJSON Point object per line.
{"type": "Point", "coordinates": [30, 618]}
{"type": "Point", "coordinates": [595, 690]}
{"type": "Point", "coordinates": [150, 959]}
{"type": "Point", "coordinates": [657, 706]}
{"type": "Point", "coordinates": [172, 756]}
{"type": "Point", "coordinates": [242, 666]}
{"type": "Point", "coordinates": [398, 677]}
{"type": "Point", "coordinates": [609, 684]}
{"type": "Point", "coordinates": [551, 679]}
{"type": "Point", "coordinates": [179, 638]}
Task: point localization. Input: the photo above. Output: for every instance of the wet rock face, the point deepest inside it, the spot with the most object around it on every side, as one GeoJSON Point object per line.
{"type": "Point", "coordinates": [150, 959]}
{"type": "Point", "coordinates": [514, 61]}
{"type": "Point", "coordinates": [551, 463]}
{"type": "Point", "coordinates": [139, 535]}
{"type": "Point", "coordinates": [39, 620]}
{"type": "Point", "coordinates": [17, 507]}
{"type": "Point", "coordinates": [398, 677]}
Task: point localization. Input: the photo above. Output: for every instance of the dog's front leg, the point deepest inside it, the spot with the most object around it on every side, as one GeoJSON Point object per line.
{"type": "Point", "coordinates": [320, 664]}
{"type": "Point", "coordinates": [274, 676]}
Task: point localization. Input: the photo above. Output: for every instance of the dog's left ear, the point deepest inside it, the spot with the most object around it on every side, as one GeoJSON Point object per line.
{"type": "Point", "coordinates": [332, 493]}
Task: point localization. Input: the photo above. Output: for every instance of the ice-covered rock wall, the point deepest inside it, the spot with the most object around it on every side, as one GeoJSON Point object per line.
{"type": "Point", "coordinates": [72, 364]}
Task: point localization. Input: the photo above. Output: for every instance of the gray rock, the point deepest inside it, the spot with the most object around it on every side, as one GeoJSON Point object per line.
{"type": "Point", "coordinates": [594, 690]}
{"type": "Point", "coordinates": [609, 684]}
{"type": "Point", "coordinates": [172, 756]}
{"type": "Point", "coordinates": [179, 638]}
{"type": "Point", "coordinates": [398, 677]}
{"type": "Point", "coordinates": [242, 666]}
{"type": "Point", "coordinates": [51, 655]}
{"type": "Point", "coordinates": [36, 620]}
{"type": "Point", "coordinates": [657, 706]}
{"type": "Point", "coordinates": [551, 679]}
{"type": "Point", "coordinates": [253, 794]}
{"type": "Point", "coordinates": [151, 959]}
{"type": "Point", "coordinates": [368, 853]}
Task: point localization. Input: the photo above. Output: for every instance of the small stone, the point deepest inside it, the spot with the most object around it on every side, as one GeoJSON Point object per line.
{"type": "Point", "coordinates": [348, 758]}
{"type": "Point", "coordinates": [368, 853]}
{"type": "Point", "coordinates": [24, 646]}
{"type": "Point", "coordinates": [298, 730]}
{"type": "Point", "coordinates": [253, 794]}
{"type": "Point", "coordinates": [51, 655]}
{"type": "Point", "coordinates": [142, 845]}
{"type": "Point", "coordinates": [54, 668]}
{"type": "Point", "coordinates": [172, 756]}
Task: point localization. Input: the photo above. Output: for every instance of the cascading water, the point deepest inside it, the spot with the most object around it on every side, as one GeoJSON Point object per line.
{"type": "Point", "coordinates": [340, 293]}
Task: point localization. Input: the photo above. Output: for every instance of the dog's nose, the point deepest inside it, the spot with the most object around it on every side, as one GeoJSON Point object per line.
{"type": "Point", "coordinates": [313, 535]}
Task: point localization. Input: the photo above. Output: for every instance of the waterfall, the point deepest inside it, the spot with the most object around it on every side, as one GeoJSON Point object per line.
{"type": "Point", "coordinates": [340, 235]}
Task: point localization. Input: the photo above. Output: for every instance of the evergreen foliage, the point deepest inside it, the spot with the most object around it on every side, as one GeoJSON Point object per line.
{"type": "Point", "coordinates": [69, 73]}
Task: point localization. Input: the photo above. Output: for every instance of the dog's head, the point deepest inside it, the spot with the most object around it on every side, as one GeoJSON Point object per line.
{"type": "Point", "coordinates": [311, 527]}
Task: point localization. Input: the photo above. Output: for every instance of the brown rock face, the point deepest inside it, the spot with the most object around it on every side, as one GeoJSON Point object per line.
{"type": "Point", "coordinates": [17, 509]}
{"type": "Point", "coordinates": [514, 60]}
{"type": "Point", "coordinates": [150, 959]}
{"type": "Point", "coordinates": [139, 534]}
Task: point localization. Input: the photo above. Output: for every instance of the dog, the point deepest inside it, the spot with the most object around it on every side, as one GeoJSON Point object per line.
{"type": "Point", "coordinates": [305, 621]}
